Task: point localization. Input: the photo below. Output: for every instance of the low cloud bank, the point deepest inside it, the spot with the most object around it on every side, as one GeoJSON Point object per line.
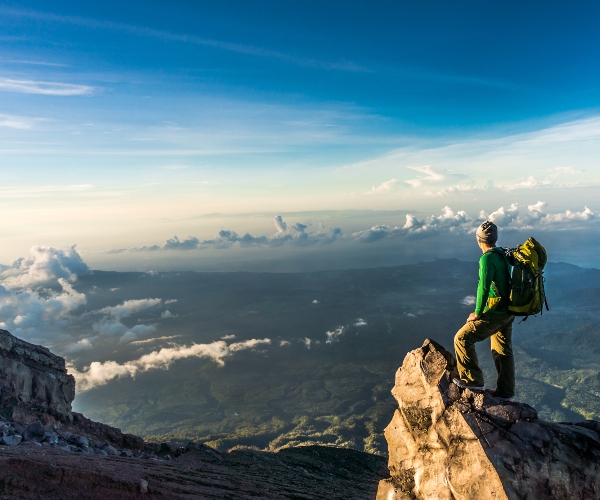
{"type": "Point", "coordinates": [513, 217]}
{"type": "Point", "coordinates": [37, 299]}
{"type": "Point", "coordinates": [297, 235]}
{"type": "Point", "coordinates": [43, 267]}
{"type": "Point", "coordinates": [100, 373]}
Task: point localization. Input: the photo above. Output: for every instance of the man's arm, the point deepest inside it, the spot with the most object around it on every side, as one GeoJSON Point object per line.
{"type": "Point", "coordinates": [486, 274]}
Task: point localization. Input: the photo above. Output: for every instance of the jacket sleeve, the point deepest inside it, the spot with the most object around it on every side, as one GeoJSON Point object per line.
{"type": "Point", "coordinates": [486, 274]}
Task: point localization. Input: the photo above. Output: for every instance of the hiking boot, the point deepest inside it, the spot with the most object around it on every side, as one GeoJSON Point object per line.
{"type": "Point", "coordinates": [463, 385]}
{"type": "Point", "coordinates": [494, 393]}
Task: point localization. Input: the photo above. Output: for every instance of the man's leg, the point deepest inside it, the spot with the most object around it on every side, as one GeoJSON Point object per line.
{"type": "Point", "coordinates": [504, 360]}
{"type": "Point", "coordinates": [464, 347]}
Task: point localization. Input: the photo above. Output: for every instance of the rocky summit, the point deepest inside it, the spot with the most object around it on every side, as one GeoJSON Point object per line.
{"type": "Point", "coordinates": [444, 443]}
{"type": "Point", "coordinates": [49, 451]}
{"type": "Point", "coordinates": [449, 443]}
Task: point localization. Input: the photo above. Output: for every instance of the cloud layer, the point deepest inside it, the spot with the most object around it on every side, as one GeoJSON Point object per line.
{"type": "Point", "coordinates": [37, 299]}
{"type": "Point", "coordinates": [296, 235]}
{"type": "Point", "coordinates": [98, 373]}
{"type": "Point", "coordinates": [514, 217]}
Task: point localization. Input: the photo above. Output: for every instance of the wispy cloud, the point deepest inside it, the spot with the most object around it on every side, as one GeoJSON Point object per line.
{"type": "Point", "coordinates": [38, 191]}
{"type": "Point", "coordinates": [45, 88]}
{"type": "Point", "coordinates": [156, 339]}
{"type": "Point", "coordinates": [17, 122]}
{"type": "Point", "coordinates": [100, 373]}
{"type": "Point", "coordinates": [33, 63]}
{"type": "Point", "coordinates": [245, 49]}
{"type": "Point", "coordinates": [384, 187]}
{"type": "Point", "coordinates": [129, 307]}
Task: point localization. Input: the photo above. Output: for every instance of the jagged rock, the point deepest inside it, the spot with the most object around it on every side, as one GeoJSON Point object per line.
{"type": "Point", "coordinates": [34, 431]}
{"type": "Point", "coordinates": [50, 437]}
{"type": "Point", "coordinates": [32, 380]}
{"type": "Point", "coordinates": [78, 440]}
{"type": "Point", "coordinates": [448, 443]}
{"type": "Point", "coordinates": [109, 450]}
{"type": "Point", "coordinates": [13, 440]}
{"type": "Point", "coordinates": [107, 433]}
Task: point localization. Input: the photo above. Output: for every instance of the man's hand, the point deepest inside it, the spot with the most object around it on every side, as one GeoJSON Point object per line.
{"type": "Point", "coordinates": [473, 317]}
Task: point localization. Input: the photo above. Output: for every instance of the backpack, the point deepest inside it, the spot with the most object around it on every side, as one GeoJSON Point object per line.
{"type": "Point", "coordinates": [527, 295]}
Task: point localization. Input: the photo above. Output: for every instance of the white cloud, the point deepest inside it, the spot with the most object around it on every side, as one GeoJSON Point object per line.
{"type": "Point", "coordinates": [43, 267]}
{"type": "Point", "coordinates": [38, 315]}
{"type": "Point", "coordinates": [384, 187]}
{"type": "Point", "coordinates": [566, 170]}
{"type": "Point", "coordinates": [469, 300]}
{"type": "Point", "coordinates": [129, 307]}
{"type": "Point", "coordinates": [296, 235]}
{"type": "Point", "coordinates": [461, 223]}
{"type": "Point", "coordinates": [429, 175]}
{"type": "Point", "coordinates": [284, 343]}
{"type": "Point", "coordinates": [334, 335]}
{"type": "Point", "coordinates": [168, 314]}
{"type": "Point", "coordinates": [156, 339]}
{"type": "Point", "coordinates": [307, 342]}
{"type": "Point", "coordinates": [45, 88]}
{"type": "Point", "coordinates": [228, 337]}
{"type": "Point", "coordinates": [112, 327]}
{"type": "Point", "coordinates": [16, 122]}
{"type": "Point", "coordinates": [37, 298]}
{"type": "Point", "coordinates": [80, 345]}
{"type": "Point", "coordinates": [569, 216]}
{"type": "Point", "coordinates": [360, 322]}
{"type": "Point", "coordinates": [100, 373]}
{"type": "Point", "coordinates": [279, 224]}
{"type": "Point", "coordinates": [315, 301]}
{"type": "Point", "coordinates": [502, 216]}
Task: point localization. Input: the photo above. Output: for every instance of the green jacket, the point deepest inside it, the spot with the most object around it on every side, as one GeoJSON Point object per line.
{"type": "Point", "coordinates": [494, 283]}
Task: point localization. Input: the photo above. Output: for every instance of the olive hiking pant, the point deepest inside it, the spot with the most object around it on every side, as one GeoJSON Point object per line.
{"type": "Point", "coordinates": [498, 326]}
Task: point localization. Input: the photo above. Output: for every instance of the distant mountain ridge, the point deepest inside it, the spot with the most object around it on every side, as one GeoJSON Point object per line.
{"type": "Point", "coordinates": [337, 392]}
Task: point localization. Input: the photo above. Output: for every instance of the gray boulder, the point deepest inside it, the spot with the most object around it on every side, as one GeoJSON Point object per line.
{"type": "Point", "coordinates": [78, 440]}
{"type": "Point", "coordinates": [13, 440]}
{"type": "Point", "coordinates": [109, 450]}
{"type": "Point", "coordinates": [34, 432]}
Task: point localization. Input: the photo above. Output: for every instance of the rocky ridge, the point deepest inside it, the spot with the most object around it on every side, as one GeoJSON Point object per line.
{"type": "Point", "coordinates": [49, 451]}
{"type": "Point", "coordinates": [448, 443]}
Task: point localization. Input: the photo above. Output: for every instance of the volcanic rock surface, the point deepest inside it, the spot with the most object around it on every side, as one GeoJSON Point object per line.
{"type": "Point", "coordinates": [32, 380]}
{"type": "Point", "coordinates": [446, 443]}
{"type": "Point", "coordinates": [49, 451]}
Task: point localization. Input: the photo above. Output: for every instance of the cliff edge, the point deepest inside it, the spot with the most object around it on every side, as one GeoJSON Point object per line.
{"type": "Point", "coordinates": [49, 451]}
{"type": "Point", "coordinates": [448, 443]}
{"type": "Point", "coordinates": [33, 381]}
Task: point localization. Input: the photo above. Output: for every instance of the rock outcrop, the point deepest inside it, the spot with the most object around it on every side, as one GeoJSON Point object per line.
{"type": "Point", "coordinates": [448, 443]}
{"type": "Point", "coordinates": [36, 394]}
{"type": "Point", "coordinates": [48, 451]}
{"type": "Point", "coordinates": [33, 381]}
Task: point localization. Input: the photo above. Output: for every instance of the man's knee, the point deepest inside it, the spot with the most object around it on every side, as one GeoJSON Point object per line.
{"type": "Point", "coordinates": [462, 337]}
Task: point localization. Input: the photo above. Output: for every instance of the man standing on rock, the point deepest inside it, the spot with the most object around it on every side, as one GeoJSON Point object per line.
{"type": "Point", "coordinates": [490, 319]}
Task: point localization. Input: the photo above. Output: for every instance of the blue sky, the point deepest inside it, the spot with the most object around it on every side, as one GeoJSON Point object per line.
{"type": "Point", "coordinates": [123, 123]}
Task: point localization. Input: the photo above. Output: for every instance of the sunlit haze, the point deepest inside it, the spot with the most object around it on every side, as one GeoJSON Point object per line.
{"type": "Point", "coordinates": [124, 126]}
